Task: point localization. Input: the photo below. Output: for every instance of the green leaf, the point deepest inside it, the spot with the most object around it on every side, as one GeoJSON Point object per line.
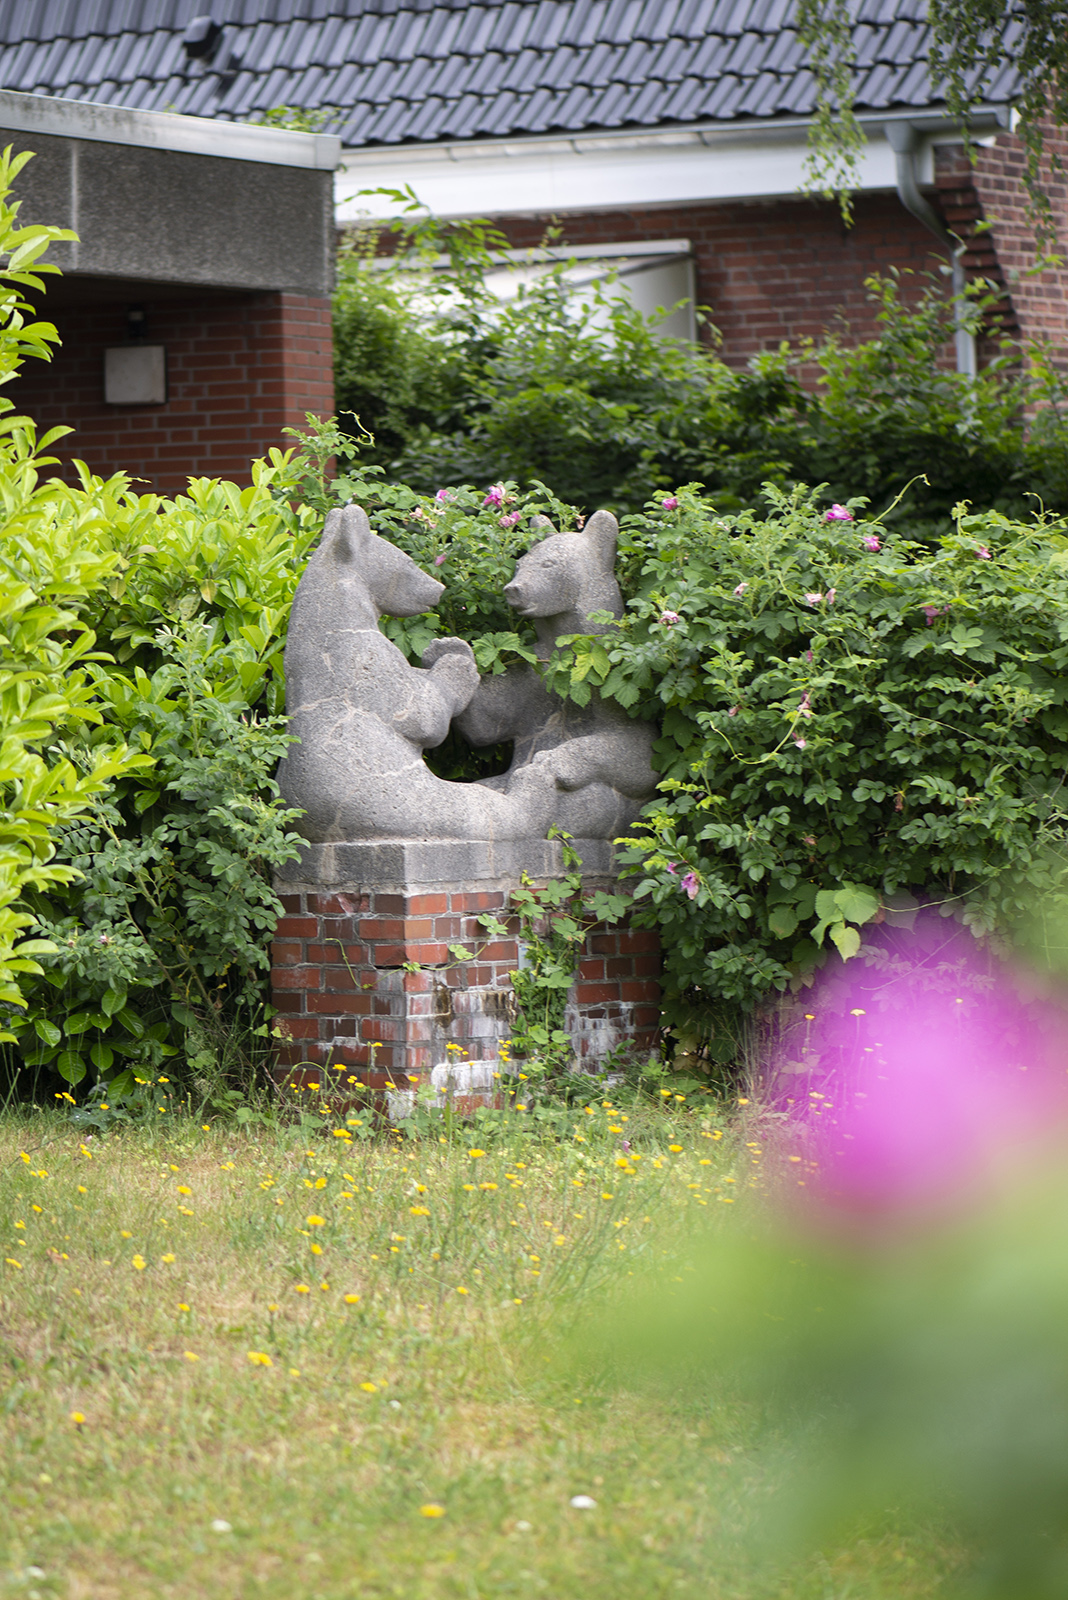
{"type": "Point", "coordinates": [102, 1056]}
{"type": "Point", "coordinates": [112, 1001]}
{"type": "Point", "coordinates": [783, 921]}
{"type": "Point", "coordinates": [847, 940]}
{"type": "Point", "coordinates": [47, 1030]}
{"type": "Point", "coordinates": [71, 1066]}
{"type": "Point", "coordinates": [856, 903]}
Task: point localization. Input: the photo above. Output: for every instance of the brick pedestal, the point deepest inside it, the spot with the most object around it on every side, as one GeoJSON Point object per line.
{"type": "Point", "coordinates": [359, 918]}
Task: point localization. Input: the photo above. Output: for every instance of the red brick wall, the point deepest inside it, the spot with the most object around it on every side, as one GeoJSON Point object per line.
{"type": "Point", "coordinates": [344, 999]}
{"type": "Point", "coordinates": [240, 369]}
{"type": "Point", "coordinates": [1036, 305]}
{"type": "Point", "coordinates": [768, 270]}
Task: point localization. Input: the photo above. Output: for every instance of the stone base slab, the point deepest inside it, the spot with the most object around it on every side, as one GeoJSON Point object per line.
{"type": "Point", "coordinates": [406, 866]}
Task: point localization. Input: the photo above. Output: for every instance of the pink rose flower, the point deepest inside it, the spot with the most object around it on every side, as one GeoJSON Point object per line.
{"type": "Point", "coordinates": [930, 612]}
{"type": "Point", "coordinates": [670, 503]}
{"type": "Point", "coordinates": [495, 496]}
{"type": "Point", "coordinates": [742, 587]}
{"type": "Point", "coordinates": [691, 885]}
{"type": "Point", "coordinates": [838, 513]}
{"type": "Point", "coordinates": [443, 494]}
{"type": "Point", "coordinates": [830, 596]}
{"type": "Point", "coordinates": [870, 542]}
{"type": "Point", "coordinates": [800, 743]}
{"type": "Point", "coordinates": [733, 712]}
{"type": "Point", "coordinates": [815, 598]}
{"type": "Point", "coordinates": [509, 519]}
{"type": "Point", "coordinates": [669, 618]}
{"type": "Point", "coordinates": [439, 560]}
{"type": "Point", "coordinates": [983, 553]}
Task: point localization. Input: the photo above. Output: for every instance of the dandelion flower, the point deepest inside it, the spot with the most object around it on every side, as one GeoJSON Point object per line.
{"type": "Point", "coordinates": [138, 1263]}
{"type": "Point", "coordinates": [462, 1290]}
{"type": "Point", "coordinates": [190, 1356]}
{"type": "Point", "coordinates": [301, 1288]}
{"type": "Point", "coordinates": [351, 1299]}
{"type": "Point", "coordinates": [431, 1511]}
{"type": "Point", "coordinates": [260, 1358]}
{"type": "Point", "coordinates": [676, 1149]}
{"type": "Point", "coordinates": [316, 1222]}
{"type": "Point", "coordinates": [168, 1260]}
{"type": "Point", "coordinates": [475, 1154]}
{"type": "Point", "coordinates": [369, 1388]}
{"type": "Point", "coordinates": [77, 1418]}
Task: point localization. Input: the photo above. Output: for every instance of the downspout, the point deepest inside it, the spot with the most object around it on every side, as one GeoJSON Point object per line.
{"type": "Point", "coordinates": [903, 139]}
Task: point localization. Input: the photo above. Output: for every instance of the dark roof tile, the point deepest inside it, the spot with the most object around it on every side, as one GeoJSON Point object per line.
{"type": "Point", "coordinates": [423, 70]}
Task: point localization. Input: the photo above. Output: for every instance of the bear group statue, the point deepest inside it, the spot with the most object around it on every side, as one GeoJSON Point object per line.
{"type": "Point", "coordinates": [362, 715]}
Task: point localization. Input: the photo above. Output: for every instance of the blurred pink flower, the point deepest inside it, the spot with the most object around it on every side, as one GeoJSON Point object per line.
{"type": "Point", "coordinates": [930, 612]}
{"type": "Point", "coordinates": [830, 596]}
{"type": "Point", "coordinates": [800, 743]}
{"type": "Point", "coordinates": [939, 1090]}
{"type": "Point", "coordinates": [495, 496]}
{"type": "Point", "coordinates": [691, 884]}
{"type": "Point", "coordinates": [733, 712]}
{"type": "Point", "coordinates": [670, 503]}
{"type": "Point", "coordinates": [838, 513]}
{"type": "Point", "coordinates": [443, 494]}
{"type": "Point", "coordinates": [871, 542]}
{"type": "Point", "coordinates": [742, 587]}
{"type": "Point", "coordinates": [814, 598]}
{"type": "Point", "coordinates": [669, 618]}
{"type": "Point", "coordinates": [509, 519]}
{"type": "Point", "coordinates": [982, 552]}
{"type": "Point", "coordinates": [439, 560]}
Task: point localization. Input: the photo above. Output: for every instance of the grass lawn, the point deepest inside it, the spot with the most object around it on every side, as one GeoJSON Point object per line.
{"type": "Point", "coordinates": [275, 1363]}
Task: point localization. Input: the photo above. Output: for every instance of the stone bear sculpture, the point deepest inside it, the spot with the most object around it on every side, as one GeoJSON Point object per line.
{"type": "Point", "coordinates": [363, 715]}
{"type": "Point", "coordinates": [598, 755]}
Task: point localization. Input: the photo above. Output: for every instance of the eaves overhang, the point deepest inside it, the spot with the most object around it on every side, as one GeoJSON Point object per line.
{"type": "Point", "coordinates": [166, 130]}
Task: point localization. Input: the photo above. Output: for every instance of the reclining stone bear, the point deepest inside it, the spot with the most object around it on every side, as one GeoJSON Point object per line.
{"type": "Point", "coordinates": [591, 748]}
{"type": "Point", "coordinates": [363, 715]}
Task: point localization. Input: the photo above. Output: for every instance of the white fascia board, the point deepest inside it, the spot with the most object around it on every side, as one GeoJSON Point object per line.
{"type": "Point", "coordinates": [610, 172]}
{"type": "Point", "coordinates": [165, 130]}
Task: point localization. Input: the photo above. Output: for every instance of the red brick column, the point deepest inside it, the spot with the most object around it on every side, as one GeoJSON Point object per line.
{"type": "Point", "coordinates": [346, 1002]}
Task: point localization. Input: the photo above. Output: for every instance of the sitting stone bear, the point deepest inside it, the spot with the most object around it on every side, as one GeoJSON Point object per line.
{"type": "Point", "coordinates": [362, 715]}
{"type": "Point", "coordinates": [598, 756]}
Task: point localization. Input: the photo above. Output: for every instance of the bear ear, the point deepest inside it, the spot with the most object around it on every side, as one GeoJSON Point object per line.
{"type": "Point", "coordinates": [602, 531]}
{"type": "Point", "coordinates": [346, 531]}
{"type": "Point", "coordinates": [540, 528]}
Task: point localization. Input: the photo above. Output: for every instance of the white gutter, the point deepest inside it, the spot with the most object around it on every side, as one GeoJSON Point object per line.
{"type": "Point", "coordinates": [904, 138]}
{"type": "Point", "coordinates": [649, 167]}
{"type": "Point", "coordinates": [164, 130]}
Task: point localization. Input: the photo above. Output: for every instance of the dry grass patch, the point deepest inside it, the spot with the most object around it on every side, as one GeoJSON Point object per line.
{"type": "Point", "coordinates": [250, 1365]}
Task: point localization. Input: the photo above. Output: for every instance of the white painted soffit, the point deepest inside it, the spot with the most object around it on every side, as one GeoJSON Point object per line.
{"type": "Point", "coordinates": [165, 130]}
{"type": "Point", "coordinates": [616, 171]}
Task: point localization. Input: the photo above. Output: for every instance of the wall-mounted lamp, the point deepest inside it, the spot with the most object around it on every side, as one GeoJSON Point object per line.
{"type": "Point", "coordinates": [135, 373]}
